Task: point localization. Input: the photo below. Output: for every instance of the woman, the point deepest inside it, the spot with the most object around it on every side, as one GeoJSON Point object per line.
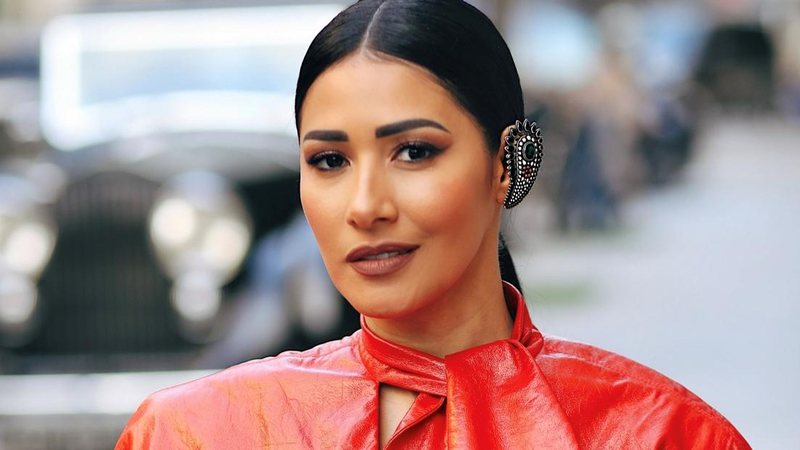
{"type": "Point", "coordinates": [410, 145]}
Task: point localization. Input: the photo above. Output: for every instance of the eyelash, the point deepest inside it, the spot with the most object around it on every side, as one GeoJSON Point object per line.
{"type": "Point", "coordinates": [316, 159]}
{"type": "Point", "coordinates": [432, 151]}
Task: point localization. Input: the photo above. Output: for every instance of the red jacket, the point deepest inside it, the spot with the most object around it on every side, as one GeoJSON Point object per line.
{"type": "Point", "coordinates": [529, 391]}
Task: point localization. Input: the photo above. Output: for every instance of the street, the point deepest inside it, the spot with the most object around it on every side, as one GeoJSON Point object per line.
{"type": "Point", "coordinates": [701, 281]}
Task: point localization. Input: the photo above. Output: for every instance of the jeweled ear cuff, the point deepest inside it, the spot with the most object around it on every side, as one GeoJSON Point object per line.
{"type": "Point", "coordinates": [524, 153]}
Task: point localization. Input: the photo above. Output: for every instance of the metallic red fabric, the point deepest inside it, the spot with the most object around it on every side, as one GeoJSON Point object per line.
{"type": "Point", "coordinates": [528, 391]}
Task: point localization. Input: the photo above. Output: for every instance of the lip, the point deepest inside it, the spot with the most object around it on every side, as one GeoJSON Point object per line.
{"type": "Point", "coordinates": [382, 259]}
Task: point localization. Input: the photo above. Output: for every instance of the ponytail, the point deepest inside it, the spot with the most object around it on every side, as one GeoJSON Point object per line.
{"type": "Point", "coordinates": [507, 271]}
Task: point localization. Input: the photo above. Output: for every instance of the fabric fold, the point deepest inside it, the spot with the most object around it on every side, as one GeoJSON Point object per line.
{"type": "Point", "coordinates": [478, 408]}
{"type": "Point", "coordinates": [511, 406]}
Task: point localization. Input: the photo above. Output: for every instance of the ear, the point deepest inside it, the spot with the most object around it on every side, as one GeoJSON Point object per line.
{"type": "Point", "coordinates": [500, 175]}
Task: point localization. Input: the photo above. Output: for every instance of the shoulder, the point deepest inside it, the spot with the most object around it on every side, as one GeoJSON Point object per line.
{"type": "Point", "coordinates": [255, 394]}
{"type": "Point", "coordinates": [575, 361]}
{"type": "Point", "coordinates": [628, 403]}
{"type": "Point", "coordinates": [331, 360]}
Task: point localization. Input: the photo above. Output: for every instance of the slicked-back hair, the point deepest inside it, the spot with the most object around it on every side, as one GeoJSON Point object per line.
{"type": "Point", "coordinates": [450, 39]}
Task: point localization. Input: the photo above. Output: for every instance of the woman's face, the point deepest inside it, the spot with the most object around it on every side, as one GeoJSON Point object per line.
{"type": "Point", "coordinates": [397, 185]}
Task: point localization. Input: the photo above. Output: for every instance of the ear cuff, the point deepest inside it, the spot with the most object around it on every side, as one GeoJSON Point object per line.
{"type": "Point", "coordinates": [524, 151]}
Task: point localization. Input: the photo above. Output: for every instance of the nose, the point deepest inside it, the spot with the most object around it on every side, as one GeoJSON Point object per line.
{"type": "Point", "coordinates": [372, 199]}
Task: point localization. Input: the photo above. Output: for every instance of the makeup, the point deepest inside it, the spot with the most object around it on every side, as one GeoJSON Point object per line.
{"type": "Point", "coordinates": [381, 260]}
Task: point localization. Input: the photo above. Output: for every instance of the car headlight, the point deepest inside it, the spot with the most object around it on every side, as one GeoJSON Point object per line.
{"type": "Point", "coordinates": [27, 236]}
{"type": "Point", "coordinates": [28, 247]}
{"type": "Point", "coordinates": [174, 222]}
{"type": "Point", "coordinates": [196, 297]}
{"type": "Point", "coordinates": [18, 298]}
{"type": "Point", "coordinates": [198, 223]}
{"type": "Point", "coordinates": [201, 233]}
{"type": "Point", "coordinates": [27, 239]}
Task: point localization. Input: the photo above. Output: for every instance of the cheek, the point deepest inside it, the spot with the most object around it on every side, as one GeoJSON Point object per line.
{"type": "Point", "coordinates": [322, 212]}
{"type": "Point", "coordinates": [452, 202]}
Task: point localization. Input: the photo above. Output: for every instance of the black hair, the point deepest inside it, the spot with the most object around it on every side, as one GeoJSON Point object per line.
{"type": "Point", "coordinates": [451, 39]}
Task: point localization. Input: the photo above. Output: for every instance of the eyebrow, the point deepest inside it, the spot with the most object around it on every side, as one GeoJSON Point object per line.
{"type": "Point", "coordinates": [326, 135]}
{"type": "Point", "coordinates": [406, 125]}
{"type": "Point", "coordinates": [380, 132]}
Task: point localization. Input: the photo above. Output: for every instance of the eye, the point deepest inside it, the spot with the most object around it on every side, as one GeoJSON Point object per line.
{"type": "Point", "coordinates": [327, 161]}
{"type": "Point", "coordinates": [417, 151]}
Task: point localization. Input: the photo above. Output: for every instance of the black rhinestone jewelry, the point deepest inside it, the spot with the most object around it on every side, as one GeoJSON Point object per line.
{"type": "Point", "coordinates": [524, 153]}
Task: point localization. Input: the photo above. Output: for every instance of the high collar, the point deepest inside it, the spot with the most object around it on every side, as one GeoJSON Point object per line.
{"type": "Point", "coordinates": [417, 371]}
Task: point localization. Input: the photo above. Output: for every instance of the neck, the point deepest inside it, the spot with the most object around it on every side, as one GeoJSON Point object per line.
{"type": "Point", "coordinates": [471, 312]}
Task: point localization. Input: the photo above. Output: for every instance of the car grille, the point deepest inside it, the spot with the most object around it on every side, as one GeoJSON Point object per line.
{"type": "Point", "coordinates": [102, 291]}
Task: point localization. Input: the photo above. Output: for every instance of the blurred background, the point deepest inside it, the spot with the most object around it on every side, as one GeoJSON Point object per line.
{"type": "Point", "coordinates": [150, 227]}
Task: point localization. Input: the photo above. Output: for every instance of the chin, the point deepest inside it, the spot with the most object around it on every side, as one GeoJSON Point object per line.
{"type": "Point", "coordinates": [385, 299]}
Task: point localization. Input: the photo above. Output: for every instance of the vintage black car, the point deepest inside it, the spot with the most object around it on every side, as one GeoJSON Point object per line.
{"type": "Point", "coordinates": [150, 223]}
